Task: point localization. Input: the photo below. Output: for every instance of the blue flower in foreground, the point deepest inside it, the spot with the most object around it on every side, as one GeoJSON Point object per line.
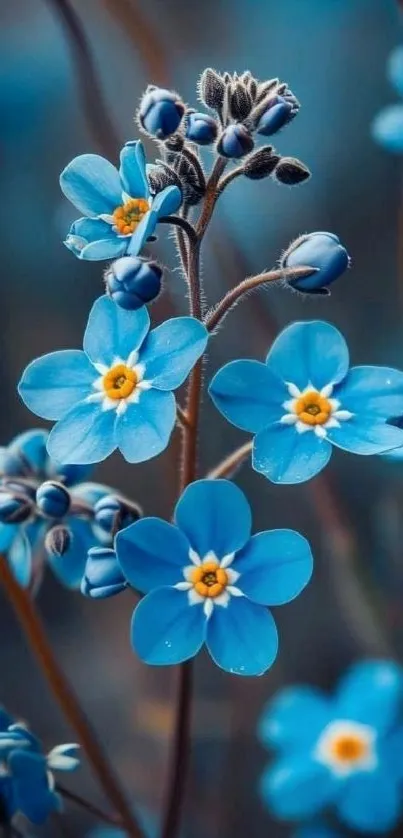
{"type": "Point", "coordinates": [345, 751]}
{"type": "Point", "coordinates": [208, 581]}
{"type": "Point", "coordinates": [24, 466]}
{"type": "Point", "coordinates": [27, 784]}
{"type": "Point", "coordinates": [316, 829]}
{"type": "Point", "coordinates": [387, 127]}
{"type": "Point", "coordinates": [304, 399]}
{"type": "Point", "coordinates": [120, 213]}
{"type": "Point", "coordinates": [118, 392]}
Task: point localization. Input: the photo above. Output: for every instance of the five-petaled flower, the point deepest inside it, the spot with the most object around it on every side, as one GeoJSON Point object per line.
{"type": "Point", "coordinates": [120, 212]}
{"type": "Point", "coordinates": [208, 581]}
{"type": "Point", "coordinates": [118, 392]}
{"type": "Point", "coordinates": [344, 751]}
{"type": "Point", "coordinates": [304, 399]}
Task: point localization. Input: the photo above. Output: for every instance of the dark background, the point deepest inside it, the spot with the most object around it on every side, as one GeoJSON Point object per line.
{"type": "Point", "coordinates": [55, 103]}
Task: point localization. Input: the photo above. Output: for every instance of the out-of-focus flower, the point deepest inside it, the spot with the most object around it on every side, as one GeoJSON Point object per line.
{"type": "Point", "coordinates": [387, 127]}
{"type": "Point", "coordinates": [120, 212]}
{"type": "Point", "coordinates": [118, 392]}
{"type": "Point", "coordinates": [27, 784]}
{"type": "Point", "coordinates": [160, 112]}
{"type": "Point", "coordinates": [57, 498]}
{"type": "Point", "coordinates": [322, 251]}
{"type": "Point", "coordinates": [345, 751]}
{"type": "Point", "coordinates": [102, 575]}
{"type": "Point", "coordinates": [305, 399]}
{"type": "Point", "coordinates": [133, 282]}
{"type": "Point", "coordinates": [316, 829]}
{"type": "Point", "coordinates": [208, 581]}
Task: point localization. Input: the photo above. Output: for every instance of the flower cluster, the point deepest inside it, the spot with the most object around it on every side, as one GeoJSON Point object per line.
{"type": "Point", "coordinates": [27, 784]}
{"type": "Point", "coordinates": [387, 127]}
{"type": "Point", "coordinates": [344, 751]}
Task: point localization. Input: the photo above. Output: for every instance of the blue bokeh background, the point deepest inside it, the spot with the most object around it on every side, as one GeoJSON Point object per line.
{"type": "Point", "coordinates": [333, 55]}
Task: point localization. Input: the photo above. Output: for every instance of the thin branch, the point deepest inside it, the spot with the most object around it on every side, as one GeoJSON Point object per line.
{"type": "Point", "coordinates": [223, 183]}
{"type": "Point", "coordinates": [186, 226]}
{"type": "Point", "coordinates": [228, 466]}
{"type": "Point", "coordinates": [88, 806]}
{"type": "Point", "coordinates": [182, 416]}
{"type": "Point", "coordinates": [180, 751]}
{"type": "Point", "coordinates": [211, 196]}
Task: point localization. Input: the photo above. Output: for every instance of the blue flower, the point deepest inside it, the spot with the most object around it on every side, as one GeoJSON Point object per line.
{"type": "Point", "coordinates": [208, 581]}
{"type": "Point", "coordinates": [322, 251]}
{"type": "Point", "coordinates": [387, 127]}
{"type": "Point", "coordinates": [27, 784]}
{"type": "Point", "coordinates": [118, 392]}
{"type": "Point", "coordinates": [120, 213]}
{"type": "Point", "coordinates": [345, 751]}
{"type": "Point", "coordinates": [24, 466]}
{"type": "Point", "coordinates": [316, 829]}
{"type": "Point", "coordinates": [304, 399]}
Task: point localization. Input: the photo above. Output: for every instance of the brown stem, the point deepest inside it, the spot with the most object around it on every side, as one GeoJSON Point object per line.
{"type": "Point", "coordinates": [232, 297]}
{"type": "Point", "coordinates": [182, 416]}
{"type": "Point", "coordinates": [229, 465]}
{"type": "Point", "coordinates": [232, 175]}
{"type": "Point", "coordinates": [181, 222]}
{"type": "Point", "coordinates": [88, 806]}
{"type": "Point", "coordinates": [35, 635]}
{"type": "Point", "coordinates": [180, 751]}
{"type": "Point", "coordinates": [211, 196]}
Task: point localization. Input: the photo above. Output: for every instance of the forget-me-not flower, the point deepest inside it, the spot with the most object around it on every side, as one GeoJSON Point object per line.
{"type": "Point", "coordinates": [117, 393]}
{"type": "Point", "coordinates": [344, 751]}
{"type": "Point", "coordinates": [119, 211]}
{"type": "Point", "coordinates": [305, 399]}
{"type": "Point", "coordinates": [208, 581]}
{"type": "Point", "coordinates": [387, 127]}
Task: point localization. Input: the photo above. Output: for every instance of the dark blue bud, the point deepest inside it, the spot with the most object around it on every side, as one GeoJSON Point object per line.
{"type": "Point", "coordinates": [201, 128]}
{"type": "Point", "coordinates": [53, 499]}
{"type": "Point", "coordinates": [69, 475]}
{"type": "Point", "coordinates": [58, 540]}
{"type": "Point", "coordinates": [133, 282]}
{"type": "Point", "coordinates": [102, 576]}
{"type": "Point", "coordinates": [11, 463]}
{"type": "Point", "coordinates": [279, 112]}
{"type": "Point", "coordinates": [235, 141]}
{"type": "Point", "coordinates": [160, 112]}
{"type": "Point", "coordinates": [112, 514]}
{"type": "Point", "coordinates": [318, 250]}
{"type": "Point", "coordinates": [14, 509]}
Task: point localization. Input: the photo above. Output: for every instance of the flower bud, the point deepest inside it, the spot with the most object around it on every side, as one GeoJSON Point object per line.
{"type": "Point", "coordinates": [58, 540]}
{"type": "Point", "coordinates": [102, 576]}
{"type": "Point", "coordinates": [235, 141]}
{"type": "Point", "coordinates": [240, 101]}
{"type": "Point", "coordinates": [261, 163]}
{"type": "Point", "coordinates": [133, 282]}
{"type": "Point", "coordinates": [53, 499]}
{"type": "Point", "coordinates": [160, 112]}
{"type": "Point", "coordinates": [317, 250]}
{"type": "Point", "coordinates": [11, 463]}
{"type": "Point", "coordinates": [200, 128]}
{"type": "Point", "coordinates": [291, 171]}
{"type": "Point", "coordinates": [14, 509]}
{"type": "Point", "coordinates": [113, 514]}
{"type": "Point", "coordinates": [212, 89]}
{"type": "Point", "coordinates": [278, 113]}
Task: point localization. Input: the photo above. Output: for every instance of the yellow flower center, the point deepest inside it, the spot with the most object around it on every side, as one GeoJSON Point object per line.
{"type": "Point", "coordinates": [349, 748]}
{"type": "Point", "coordinates": [127, 217]}
{"type": "Point", "coordinates": [119, 382]}
{"type": "Point", "coordinates": [209, 579]}
{"type": "Point", "coordinates": [313, 409]}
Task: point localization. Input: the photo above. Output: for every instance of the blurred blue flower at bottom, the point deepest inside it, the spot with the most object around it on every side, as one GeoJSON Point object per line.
{"type": "Point", "coordinates": [311, 830]}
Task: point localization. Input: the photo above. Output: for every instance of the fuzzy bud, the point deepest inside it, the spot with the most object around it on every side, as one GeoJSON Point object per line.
{"type": "Point", "coordinates": [14, 509]}
{"type": "Point", "coordinates": [53, 499]}
{"type": "Point", "coordinates": [240, 102]}
{"type": "Point", "coordinates": [261, 163]}
{"type": "Point", "coordinates": [58, 540]}
{"type": "Point", "coordinates": [291, 171]}
{"type": "Point", "coordinates": [102, 576]}
{"type": "Point", "coordinates": [160, 112]}
{"type": "Point", "coordinates": [112, 514]}
{"type": "Point", "coordinates": [322, 251]}
{"type": "Point", "coordinates": [132, 282]}
{"type": "Point", "coordinates": [279, 113]}
{"type": "Point", "coordinates": [235, 142]}
{"type": "Point", "coordinates": [201, 128]}
{"type": "Point", "coordinates": [212, 89]}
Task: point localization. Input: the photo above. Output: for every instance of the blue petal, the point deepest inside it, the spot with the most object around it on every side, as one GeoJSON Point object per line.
{"type": "Point", "coordinates": [309, 353]}
{"type": "Point", "coordinates": [395, 69]}
{"type": "Point", "coordinates": [285, 456]}
{"type": "Point", "coordinates": [316, 829]}
{"type": "Point", "coordinates": [85, 435]}
{"type": "Point", "coordinates": [142, 232]}
{"type": "Point", "coordinates": [274, 566]}
{"type": "Point", "coordinates": [32, 446]}
{"type": "Point", "coordinates": [54, 383]}
{"type": "Point", "coordinates": [20, 558]}
{"type": "Point", "coordinates": [113, 332]}
{"type": "Point", "coordinates": [242, 637]}
{"type": "Point", "coordinates": [391, 750]}
{"type": "Point", "coordinates": [144, 429]}
{"type": "Point", "coordinates": [214, 515]}
{"type": "Point", "coordinates": [133, 170]}
{"type": "Point", "coordinates": [371, 802]}
{"type": "Point", "coordinates": [248, 394]}
{"type": "Point", "coordinates": [92, 184]}
{"type": "Point", "coordinates": [166, 629]}
{"type": "Point", "coordinates": [366, 434]}
{"type": "Point", "coordinates": [91, 230]}
{"type": "Point", "coordinates": [109, 248]}
{"type": "Point", "coordinates": [387, 128]}
{"type": "Point", "coordinates": [7, 534]}
{"type": "Point", "coordinates": [281, 726]}
{"type": "Point", "coordinates": [372, 390]}
{"type": "Point", "coordinates": [167, 202]}
{"type": "Point", "coordinates": [171, 350]}
{"type": "Point", "coordinates": [31, 786]}
{"type": "Point", "coordinates": [298, 787]}
{"type": "Point", "coordinates": [371, 693]}
{"type": "Point", "coordinates": [69, 568]}
{"type": "Point", "coordinates": [152, 553]}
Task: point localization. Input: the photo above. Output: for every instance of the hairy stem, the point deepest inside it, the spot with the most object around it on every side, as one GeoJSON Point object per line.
{"type": "Point", "coordinates": [88, 806]}
{"type": "Point", "coordinates": [211, 196]}
{"type": "Point", "coordinates": [186, 226]}
{"type": "Point", "coordinates": [35, 635]}
{"type": "Point", "coordinates": [230, 464]}
{"type": "Point", "coordinates": [232, 175]}
{"type": "Point", "coordinates": [180, 751]}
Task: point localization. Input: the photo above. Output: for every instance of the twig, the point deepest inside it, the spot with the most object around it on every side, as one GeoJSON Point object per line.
{"type": "Point", "coordinates": [88, 806]}
{"type": "Point", "coordinates": [223, 183]}
{"type": "Point", "coordinates": [228, 466]}
{"type": "Point", "coordinates": [181, 222]}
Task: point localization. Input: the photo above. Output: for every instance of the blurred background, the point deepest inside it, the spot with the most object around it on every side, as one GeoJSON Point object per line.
{"type": "Point", "coordinates": [71, 75]}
